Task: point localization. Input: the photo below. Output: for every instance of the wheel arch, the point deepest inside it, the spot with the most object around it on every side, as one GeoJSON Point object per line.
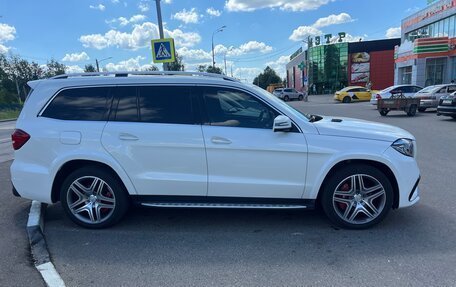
{"type": "Point", "coordinates": [72, 165]}
{"type": "Point", "coordinates": [379, 165]}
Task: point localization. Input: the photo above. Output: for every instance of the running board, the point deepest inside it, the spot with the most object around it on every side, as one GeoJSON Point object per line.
{"type": "Point", "coordinates": [223, 205]}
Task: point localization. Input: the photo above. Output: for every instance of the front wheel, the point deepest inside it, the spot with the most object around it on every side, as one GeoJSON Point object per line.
{"type": "Point", "coordinates": [300, 97]}
{"type": "Point", "coordinates": [411, 111]}
{"type": "Point", "coordinates": [357, 196]}
{"type": "Point", "coordinates": [421, 110]}
{"type": "Point", "coordinates": [346, 100]}
{"type": "Point", "coordinates": [93, 197]}
{"type": "Point", "coordinates": [384, 112]}
{"type": "Point", "coordinates": [286, 98]}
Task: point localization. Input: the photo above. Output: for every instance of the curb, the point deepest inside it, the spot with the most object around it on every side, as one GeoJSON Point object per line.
{"type": "Point", "coordinates": [8, 120]}
{"type": "Point", "coordinates": [38, 246]}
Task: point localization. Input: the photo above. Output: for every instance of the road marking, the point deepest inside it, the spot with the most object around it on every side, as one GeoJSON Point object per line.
{"type": "Point", "coordinates": [50, 275]}
{"type": "Point", "coordinates": [38, 246]}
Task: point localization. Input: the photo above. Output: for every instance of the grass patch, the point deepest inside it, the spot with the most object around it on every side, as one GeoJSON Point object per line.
{"type": "Point", "coordinates": [9, 114]}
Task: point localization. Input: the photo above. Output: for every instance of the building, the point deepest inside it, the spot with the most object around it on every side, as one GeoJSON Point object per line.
{"type": "Point", "coordinates": [324, 69]}
{"type": "Point", "coordinates": [427, 54]}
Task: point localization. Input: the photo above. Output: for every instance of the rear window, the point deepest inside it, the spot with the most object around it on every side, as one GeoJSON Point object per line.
{"type": "Point", "coordinates": [81, 104]}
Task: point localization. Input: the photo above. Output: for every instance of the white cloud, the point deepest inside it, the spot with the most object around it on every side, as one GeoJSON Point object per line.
{"type": "Point", "coordinates": [132, 64]}
{"type": "Point", "coordinates": [279, 65]}
{"type": "Point", "coordinates": [100, 7]}
{"type": "Point", "coordinates": [187, 16]}
{"type": "Point", "coordinates": [143, 5]}
{"type": "Point", "coordinates": [213, 12]}
{"type": "Point", "coordinates": [412, 10]}
{"type": "Point", "coordinates": [115, 1]}
{"type": "Point", "coordinates": [139, 37]}
{"type": "Point", "coordinates": [249, 47]}
{"type": "Point", "coordinates": [168, 1]}
{"type": "Point", "coordinates": [194, 54]}
{"type": "Point", "coordinates": [124, 21]}
{"type": "Point", "coordinates": [76, 57]}
{"type": "Point", "coordinates": [3, 49]}
{"type": "Point", "coordinates": [333, 20]}
{"type": "Point", "coordinates": [246, 74]}
{"type": "Point", "coordinates": [302, 32]}
{"type": "Point", "coordinates": [394, 32]}
{"type": "Point", "coordinates": [290, 5]}
{"type": "Point", "coordinates": [7, 33]}
{"type": "Point", "coordinates": [73, 69]}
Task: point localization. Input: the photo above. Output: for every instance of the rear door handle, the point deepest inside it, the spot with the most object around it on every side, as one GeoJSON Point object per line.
{"type": "Point", "coordinates": [128, 137]}
{"type": "Point", "coordinates": [220, 140]}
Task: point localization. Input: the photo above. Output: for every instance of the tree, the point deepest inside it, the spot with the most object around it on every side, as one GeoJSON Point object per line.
{"type": "Point", "coordinates": [209, 69]}
{"type": "Point", "coordinates": [269, 76]}
{"type": "Point", "coordinates": [89, 68]}
{"type": "Point", "coordinates": [151, 68]}
{"type": "Point", "coordinates": [54, 68]}
{"type": "Point", "coordinates": [177, 65]}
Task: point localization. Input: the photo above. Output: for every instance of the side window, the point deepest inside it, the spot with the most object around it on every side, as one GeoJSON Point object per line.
{"type": "Point", "coordinates": [407, 89]}
{"type": "Point", "coordinates": [451, 89]}
{"type": "Point", "coordinates": [165, 104]}
{"type": "Point", "coordinates": [80, 104]}
{"type": "Point", "coordinates": [417, 89]}
{"type": "Point", "coordinates": [442, 90]}
{"type": "Point", "coordinates": [287, 90]}
{"type": "Point", "coordinates": [228, 107]}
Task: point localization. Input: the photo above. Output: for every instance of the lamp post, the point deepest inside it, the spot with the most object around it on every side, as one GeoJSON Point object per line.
{"type": "Point", "coordinates": [224, 58]}
{"type": "Point", "coordinates": [99, 61]}
{"type": "Point", "coordinates": [216, 31]}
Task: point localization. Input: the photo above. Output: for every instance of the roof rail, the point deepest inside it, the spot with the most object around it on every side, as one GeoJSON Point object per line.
{"type": "Point", "coordinates": [145, 73]}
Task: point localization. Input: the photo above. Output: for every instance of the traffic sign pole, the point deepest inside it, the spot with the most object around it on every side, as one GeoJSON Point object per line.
{"type": "Point", "coordinates": [160, 27]}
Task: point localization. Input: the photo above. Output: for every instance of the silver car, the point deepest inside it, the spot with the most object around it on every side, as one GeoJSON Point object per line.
{"type": "Point", "coordinates": [430, 96]}
{"type": "Point", "coordinates": [287, 94]}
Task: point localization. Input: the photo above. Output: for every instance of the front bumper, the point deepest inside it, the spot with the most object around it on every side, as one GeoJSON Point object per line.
{"type": "Point", "coordinates": [373, 101]}
{"type": "Point", "coordinates": [446, 110]}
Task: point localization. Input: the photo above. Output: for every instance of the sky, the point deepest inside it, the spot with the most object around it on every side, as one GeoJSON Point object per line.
{"type": "Point", "coordinates": [258, 33]}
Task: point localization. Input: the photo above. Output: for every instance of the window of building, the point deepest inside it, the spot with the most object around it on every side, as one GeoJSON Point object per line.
{"type": "Point", "coordinates": [81, 104]}
{"type": "Point", "coordinates": [405, 75]}
{"type": "Point", "coordinates": [435, 71]}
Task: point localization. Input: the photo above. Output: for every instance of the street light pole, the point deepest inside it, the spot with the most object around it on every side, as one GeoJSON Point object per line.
{"type": "Point", "coordinates": [213, 56]}
{"type": "Point", "coordinates": [160, 28]}
{"type": "Point", "coordinates": [99, 61]}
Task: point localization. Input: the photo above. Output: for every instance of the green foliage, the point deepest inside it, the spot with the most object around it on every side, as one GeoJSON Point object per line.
{"type": "Point", "coordinates": [54, 68]}
{"type": "Point", "coordinates": [151, 68]}
{"type": "Point", "coordinates": [269, 76]}
{"type": "Point", "coordinates": [89, 68]}
{"type": "Point", "coordinates": [176, 65]}
{"type": "Point", "coordinates": [209, 69]}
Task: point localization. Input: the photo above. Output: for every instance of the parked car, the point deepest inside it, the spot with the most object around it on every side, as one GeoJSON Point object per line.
{"type": "Point", "coordinates": [430, 96]}
{"type": "Point", "coordinates": [353, 93]}
{"type": "Point", "coordinates": [97, 142]}
{"type": "Point", "coordinates": [447, 106]}
{"type": "Point", "coordinates": [406, 90]}
{"type": "Point", "coordinates": [287, 94]}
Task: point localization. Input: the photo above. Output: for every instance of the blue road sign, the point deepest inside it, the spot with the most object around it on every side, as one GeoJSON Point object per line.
{"type": "Point", "coordinates": [163, 50]}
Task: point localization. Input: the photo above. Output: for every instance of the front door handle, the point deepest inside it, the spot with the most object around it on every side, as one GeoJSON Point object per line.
{"type": "Point", "coordinates": [128, 137]}
{"type": "Point", "coordinates": [220, 140]}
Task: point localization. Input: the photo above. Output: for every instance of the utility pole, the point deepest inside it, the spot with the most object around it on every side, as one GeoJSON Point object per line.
{"type": "Point", "coordinates": [213, 55]}
{"type": "Point", "coordinates": [98, 67]}
{"type": "Point", "coordinates": [99, 61]}
{"type": "Point", "coordinates": [160, 28]}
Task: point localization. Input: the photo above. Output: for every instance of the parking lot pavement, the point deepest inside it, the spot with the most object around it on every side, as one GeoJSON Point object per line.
{"type": "Point", "coordinates": [16, 267]}
{"type": "Point", "coordinates": [6, 150]}
{"type": "Point", "coordinates": [175, 247]}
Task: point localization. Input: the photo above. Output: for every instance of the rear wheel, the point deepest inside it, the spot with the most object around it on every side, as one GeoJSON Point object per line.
{"type": "Point", "coordinates": [93, 197]}
{"type": "Point", "coordinates": [346, 100]}
{"type": "Point", "coordinates": [421, 110]}
{"type": "Point", "coordinates": [357, 196]}
{"type": "Point", "coordinates": [384, 112]}
{"type": "Point", "coordinates": [411, 111]}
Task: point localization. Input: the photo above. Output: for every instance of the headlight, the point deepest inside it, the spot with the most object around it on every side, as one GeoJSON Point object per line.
{"type": "Point", "coordinates": [404, 146]}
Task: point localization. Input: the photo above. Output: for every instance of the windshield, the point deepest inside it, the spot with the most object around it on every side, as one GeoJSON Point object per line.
{"type": "Point", "coordinates": [280, 103]}
{"type": "Point", "coordinates": [428, 90]}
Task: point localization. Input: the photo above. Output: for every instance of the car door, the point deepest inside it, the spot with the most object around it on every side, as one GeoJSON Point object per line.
{"type": "Point", "coordinates": [245, 157]}
{"type": "Point", "coordinates": [155, 135]}
{"type": "Point", "coordinates": [363, 94]}
{"type": "Point", "coordinates": [294, 94]}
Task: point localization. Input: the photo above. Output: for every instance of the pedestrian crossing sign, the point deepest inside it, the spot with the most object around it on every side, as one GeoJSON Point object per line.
{"type": "Point", "coordinates": [163, 50]}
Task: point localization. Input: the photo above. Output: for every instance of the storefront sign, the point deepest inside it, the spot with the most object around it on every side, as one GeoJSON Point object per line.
{"type": "Point", "coordinates": [299, 51]}
{"type": "Point", "coordinates": [318, 39]}
{"type": "Point", "coordinates": [360, 68]}
{"type": "Point", "coordinates": [429, 12]}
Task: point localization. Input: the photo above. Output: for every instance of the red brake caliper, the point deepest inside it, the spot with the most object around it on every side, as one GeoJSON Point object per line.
{"type": "Point", "coordinates": [344, 187]}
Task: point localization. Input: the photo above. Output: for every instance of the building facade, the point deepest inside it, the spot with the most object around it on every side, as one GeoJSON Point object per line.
{"type": "Point", "coordinates": [427, 53]}
{"type": "Point", "coordinates": [324, 69]}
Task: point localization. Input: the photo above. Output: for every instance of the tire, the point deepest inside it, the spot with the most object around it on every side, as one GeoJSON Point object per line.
{"type": "Point", "coordinates": [411, 111]}
{"type": "Point", "coordinates": [84, 190]}
{"type": "Point", "coordinates": [300, 97]}
{"type": "Point", "coordinates": [421, 110]}
{"type": "Point", "coordinates": [346, 100]}
{"type": "Point", "coordinates": [350, 209]}
{"type": "Point", "coordinates": [383, 112]}
{"type": "Point", "coordinates": [286, 98]}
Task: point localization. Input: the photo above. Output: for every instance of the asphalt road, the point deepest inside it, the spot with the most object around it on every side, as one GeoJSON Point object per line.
{"type": "Point", "coordinates": [186, 247]}
{"type": "Point", "coordinates": [6, 151]}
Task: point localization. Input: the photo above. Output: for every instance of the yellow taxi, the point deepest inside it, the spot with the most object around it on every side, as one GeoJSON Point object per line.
{"type": "Point", "coordinates": [353, 93]}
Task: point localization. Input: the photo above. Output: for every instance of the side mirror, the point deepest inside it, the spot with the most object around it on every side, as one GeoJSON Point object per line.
{"type": "Point", "coordinates": [282, 124]}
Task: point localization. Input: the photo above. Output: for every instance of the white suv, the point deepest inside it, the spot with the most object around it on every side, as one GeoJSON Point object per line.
{"type": "Point", "coordinates": [98, 142]}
